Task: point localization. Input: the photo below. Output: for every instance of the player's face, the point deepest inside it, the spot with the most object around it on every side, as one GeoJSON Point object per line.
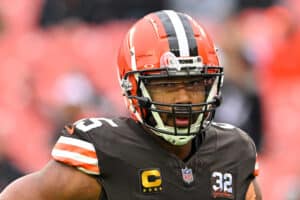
{"type": "Point", "coordinates": [177, 91]}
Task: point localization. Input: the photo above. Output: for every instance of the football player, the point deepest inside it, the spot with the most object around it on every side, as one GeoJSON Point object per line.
{"type": "Point", "coordinates": [169, 147]}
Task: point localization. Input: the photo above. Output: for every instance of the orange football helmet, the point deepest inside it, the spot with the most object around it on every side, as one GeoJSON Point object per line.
{"type": "Point", "coordinates": [168, 44]}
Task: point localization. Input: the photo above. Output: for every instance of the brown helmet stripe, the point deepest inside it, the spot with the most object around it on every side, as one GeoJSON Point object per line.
{"type": "Point", "coordinates": [170, 30]}
{"type": "Point", "coordinates": [179, 32]}
{"type": "Point", "coordinates": [190, 35]}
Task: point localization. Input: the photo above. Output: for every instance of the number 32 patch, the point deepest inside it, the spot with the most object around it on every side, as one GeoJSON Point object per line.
{"type": "Point", "coordinates": [222, 185]}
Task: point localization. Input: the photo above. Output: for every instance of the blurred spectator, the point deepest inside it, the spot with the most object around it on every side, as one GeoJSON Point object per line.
{"type": "Point", "coordinates": [217, 11]}
{"type": "Point", "coordinates": [294, 192]}
{"type": "Point", "coordinates": [77, 97]}
{"type": "Point", "coordinates": [206, 10]}
{"type": "Point", "coordinates": [293, 7]}
{"type": "Point", "coordinates": [1, 23]}
{"type": "Point", "coordinates": [8, 170]}
{"type": "Point", "coordinates": [281, 92]}
{"type": "Point", "coordinates": [245, 4]}
{"type": "Point", "coordinates": [23, 119]}
{"type": "Point", "coordinates": [241, 104]}
{"type": "Point", "coordinates": [95, 11]}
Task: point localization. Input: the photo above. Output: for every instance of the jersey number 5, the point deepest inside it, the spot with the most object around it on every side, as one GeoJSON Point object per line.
{"type": "Point", "coordinates": [88, 124]}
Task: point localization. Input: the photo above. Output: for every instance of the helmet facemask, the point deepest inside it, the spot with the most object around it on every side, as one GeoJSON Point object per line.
{"type": "Point", "coordinates": [169, 45]}
{"type": "Point", "coordinates": [199, 115]}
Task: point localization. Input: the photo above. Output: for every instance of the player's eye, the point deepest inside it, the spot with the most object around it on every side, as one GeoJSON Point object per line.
{"type": "Point", "coordinates": [194, 83]}
{"type": "Point", "coordinates": [168, 84]}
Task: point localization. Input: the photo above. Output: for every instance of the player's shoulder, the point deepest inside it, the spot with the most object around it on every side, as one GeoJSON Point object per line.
{"type": "Point", "coordinates": [96, 125]}
{"type": "Point", "coordinates": [227, 129]}
{"type": "Point", "coordinates": [229, 133]}
{"type": "Point", "coordinates": [80, 142]}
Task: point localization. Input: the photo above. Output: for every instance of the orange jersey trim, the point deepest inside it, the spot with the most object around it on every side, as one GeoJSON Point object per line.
{"type": "Point", "coordinates": [75, 149]}
{"type": "Point", "coordinates": [93, 169]}
{"type": "Point", "coordinates": [78, 153]}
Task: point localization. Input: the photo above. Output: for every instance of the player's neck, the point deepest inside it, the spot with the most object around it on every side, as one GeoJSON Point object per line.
{"type": "Point", "coordinates": [182, 152]}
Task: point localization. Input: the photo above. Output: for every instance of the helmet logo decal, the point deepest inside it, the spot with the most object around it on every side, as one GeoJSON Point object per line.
{"type": "Point", "coordinates": [169, 60]}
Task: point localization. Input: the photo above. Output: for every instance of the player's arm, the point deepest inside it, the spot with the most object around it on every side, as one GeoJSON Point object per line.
{"type": "Point", "coordinates": [254, 192]}
{"type": "Point", "coordinates": [55, 181]}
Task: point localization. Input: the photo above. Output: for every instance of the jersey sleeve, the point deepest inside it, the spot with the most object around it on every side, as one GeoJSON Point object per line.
{"type": "Point", "coordinates": [252, 153]}
{"type": "Point", "coordinates": [75, 148]}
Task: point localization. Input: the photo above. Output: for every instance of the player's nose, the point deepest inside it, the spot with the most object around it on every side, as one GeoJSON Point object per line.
{"type": "Point", "coordinates": [182, 96]}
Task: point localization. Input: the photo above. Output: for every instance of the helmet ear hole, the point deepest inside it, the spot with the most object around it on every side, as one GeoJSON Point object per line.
{"type": "Point", "coordinates": [218, 100]}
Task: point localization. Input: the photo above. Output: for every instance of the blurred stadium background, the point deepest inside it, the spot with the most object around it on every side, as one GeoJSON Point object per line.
{"type": "Point", "coordinates": [58, 63]}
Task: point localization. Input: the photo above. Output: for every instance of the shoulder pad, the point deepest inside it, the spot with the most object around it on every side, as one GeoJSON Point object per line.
{"type": "Point", "coordinates": [88, 124]}
{"type": "Point", "coordinates": [76, 148]}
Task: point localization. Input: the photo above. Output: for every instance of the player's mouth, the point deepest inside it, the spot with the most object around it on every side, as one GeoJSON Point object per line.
{"type": "Point", "coordinates": [181, 118]}
{"type": "Point", "coordinates": [182, 121]}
